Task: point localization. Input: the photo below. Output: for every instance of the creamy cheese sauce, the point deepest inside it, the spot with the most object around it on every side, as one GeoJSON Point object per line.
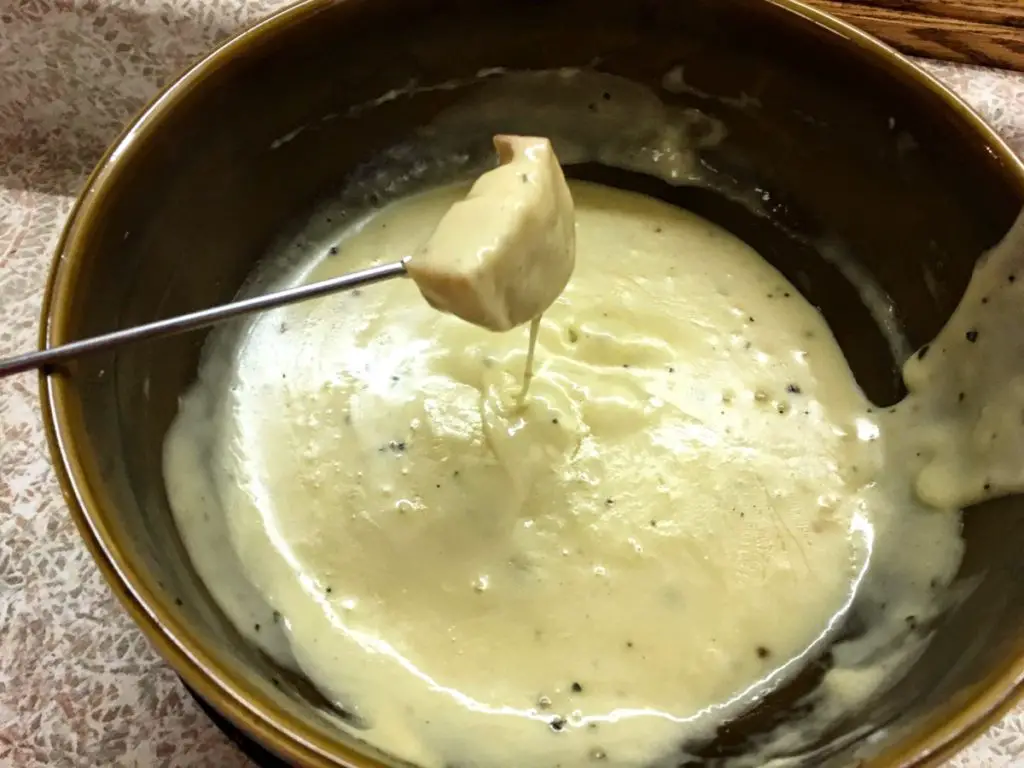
{"type": "Point", "coordinates": [679, 517]}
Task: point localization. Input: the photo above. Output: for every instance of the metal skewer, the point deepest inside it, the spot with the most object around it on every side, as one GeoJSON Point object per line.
{"type": "Point", "coordinates": [200, 319]}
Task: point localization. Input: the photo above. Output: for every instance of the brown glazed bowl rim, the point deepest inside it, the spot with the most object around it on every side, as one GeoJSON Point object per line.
{"type": "Point", "coordinates": [152, 610]}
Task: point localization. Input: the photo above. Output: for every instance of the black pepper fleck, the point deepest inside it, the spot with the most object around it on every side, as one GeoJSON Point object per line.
{"type": "Point", "coordinates": [557, 723]}
{"type": "Point", "coordinates": [911, 622]}
{"type": "Point", "coordinates": [333, 250]}
{"type": "Point", "coordinates": [987, 486]}
{"type": "Point", "coordinates": [178, 602]}
{"type": "Point", "coordinates": [671, 369]}
{"type": "Point", "coordinates": [606, 96]}
{"type": "Point", "coordinates": [609, 502]}
{"type": "Point", "coordinates": [762, 652]}
{"type": "Point", "coordinates": [329, 590]}
{"type": "Point", "coordinates": [554, 421]}
{"type": "Point", "coordinates": [577, 688]}
{"type": "Point", "coordinates": [1012, 277]}
{"type": "Point", "coordinates": [793, 389]}
{"type": "Point", "coordinates": [256, 627]}
{"type": "Point", "coordinates": [960, 397]}
{"type": "Point", "coordinates": [972, 336]}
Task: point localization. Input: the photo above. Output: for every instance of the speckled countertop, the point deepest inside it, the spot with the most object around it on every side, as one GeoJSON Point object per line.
{"type": "Point", "coordinates": [79, 685]}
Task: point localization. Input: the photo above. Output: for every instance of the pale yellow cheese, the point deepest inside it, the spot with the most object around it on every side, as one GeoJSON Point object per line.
{"type": "Point", "coordinates": [675, 519]}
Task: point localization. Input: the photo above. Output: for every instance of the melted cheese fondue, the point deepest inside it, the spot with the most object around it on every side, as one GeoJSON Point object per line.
{"type": "Point", "coordinates": [679, 515]}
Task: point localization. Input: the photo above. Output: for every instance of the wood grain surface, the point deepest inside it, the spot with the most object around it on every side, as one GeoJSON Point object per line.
{"type": "Point", "coordinates": [986, 32]}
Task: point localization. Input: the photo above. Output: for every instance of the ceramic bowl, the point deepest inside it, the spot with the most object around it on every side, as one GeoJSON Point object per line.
{"type": "Point", "coordinates": [851, 144]}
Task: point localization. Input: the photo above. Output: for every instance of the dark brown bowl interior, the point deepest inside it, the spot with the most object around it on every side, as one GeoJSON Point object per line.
{"type": "Point", "coordinates": [855, 148]}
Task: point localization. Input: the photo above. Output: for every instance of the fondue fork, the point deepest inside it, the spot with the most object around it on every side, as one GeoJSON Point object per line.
{"type": "Point", "coordinates": [47, 359]}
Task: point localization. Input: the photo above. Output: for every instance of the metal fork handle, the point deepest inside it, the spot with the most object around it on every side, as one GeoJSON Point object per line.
{"type": "Point", "coordinates": [54, 356]}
